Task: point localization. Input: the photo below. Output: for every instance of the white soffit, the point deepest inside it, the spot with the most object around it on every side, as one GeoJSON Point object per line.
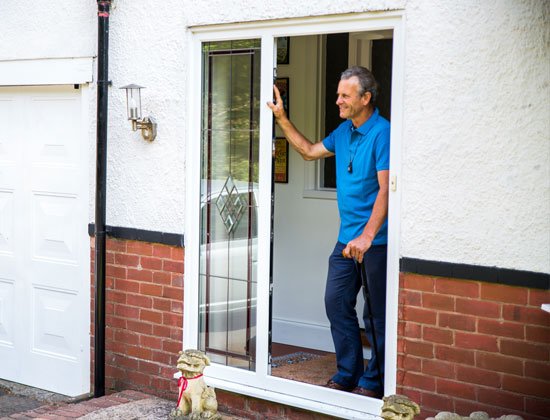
{"type": "Point", "coordinates": [46, 71]}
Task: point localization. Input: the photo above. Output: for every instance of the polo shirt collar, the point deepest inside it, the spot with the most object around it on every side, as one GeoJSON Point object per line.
{"type": "Point", "coordinates": [367, 125]}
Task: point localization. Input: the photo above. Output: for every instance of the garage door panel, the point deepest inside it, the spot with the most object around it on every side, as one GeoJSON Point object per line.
{"type": "Point", "coordinates": [44, 256]}
{"type": "Point", "coordinates": [47, 375]}
{"type": "Point", "coordinates": [11, 183]}
{"type": "Point", "coordinates": [55, 228]}
{"type": "Point", "coordinates": [8, 330]}
{"type": "Point", "coordinates": [55, 133]}
{"type": "Point", "coordinates": [52, 314]}
{"type": "Point", "coordinates": [7, 267]}
{"type": "Point", "coordinates": [57, 180]}
{"type": "Point", "coordinates": [9, 174]}
{"type": "Point", "coordinates": [46, 273]}
{"type": "Point", "coordinates": [7, 300]}
{"type": "Point", "coordinates": [8, 136]}
{"type": "Point", "coordinates": [7, 222]}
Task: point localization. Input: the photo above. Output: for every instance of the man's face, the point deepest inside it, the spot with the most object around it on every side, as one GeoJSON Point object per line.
{"type": "Point", "coordinates": [349, 102]}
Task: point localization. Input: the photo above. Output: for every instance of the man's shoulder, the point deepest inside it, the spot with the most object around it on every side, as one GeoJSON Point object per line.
{"type": "Point", "coordinates": [382, 123]}
{"type": "Point", "coordinates": [380, 129]}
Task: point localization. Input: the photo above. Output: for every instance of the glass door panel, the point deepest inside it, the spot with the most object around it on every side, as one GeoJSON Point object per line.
{"type": "Point", "coordinates": [229, 207]}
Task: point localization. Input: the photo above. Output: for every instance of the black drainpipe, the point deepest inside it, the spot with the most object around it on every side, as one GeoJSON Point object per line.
{"type": "Point", "coordinates": [101, 193]}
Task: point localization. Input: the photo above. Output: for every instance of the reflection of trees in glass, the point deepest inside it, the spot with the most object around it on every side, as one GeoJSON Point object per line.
{"type": "Point", "coordinates": [233, 105]}
{"type": "Point", "coordinates": [230, 146]}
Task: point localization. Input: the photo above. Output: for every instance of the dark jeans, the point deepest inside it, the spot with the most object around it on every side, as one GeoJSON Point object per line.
{"type": "Point", "coordinates": [343, 285]}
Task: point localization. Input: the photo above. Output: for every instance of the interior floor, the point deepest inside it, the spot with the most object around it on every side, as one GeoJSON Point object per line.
{"type": "Point", "coordinates": [307, 365]}
{"type": "Point", "coordinates": [280, 349]}
{"type": "Point", "coordinates": [302, 364]}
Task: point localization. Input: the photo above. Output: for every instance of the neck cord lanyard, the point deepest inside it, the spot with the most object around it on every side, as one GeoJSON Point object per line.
{"type": "Point", "coordinates": [351, 157]}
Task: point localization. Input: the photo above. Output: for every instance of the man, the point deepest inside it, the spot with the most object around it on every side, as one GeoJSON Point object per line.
{"type": "Point", "coordinates": [361, 146]}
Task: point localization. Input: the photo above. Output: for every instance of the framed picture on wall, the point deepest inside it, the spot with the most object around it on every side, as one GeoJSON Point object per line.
{"type": "Point", "coordinates": [281, 160]}
{"type": "Point", "coordinates": [282, 84]}
{"type": "Point", "coordinates": [283, 50]}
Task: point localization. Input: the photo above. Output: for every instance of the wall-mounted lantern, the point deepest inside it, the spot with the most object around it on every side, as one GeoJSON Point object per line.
{"type": "Point", "coordinates": [147, 125]}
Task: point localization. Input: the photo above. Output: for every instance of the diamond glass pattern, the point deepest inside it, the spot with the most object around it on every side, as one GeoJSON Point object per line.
{"type": "Point", "coordinates": [230, 205]}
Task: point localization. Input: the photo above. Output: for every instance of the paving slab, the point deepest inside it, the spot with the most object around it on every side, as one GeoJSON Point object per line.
{"type": "Point", "coordinates": [17, 398]}
{"type": "Point", "coordinates": [23, 402]}
{"type": "Point", "coordinates": [11, 404]}
{"type": "Point", "coordinates": [149, 408]}
{"type": "Point", "coordinates": [13, 388]}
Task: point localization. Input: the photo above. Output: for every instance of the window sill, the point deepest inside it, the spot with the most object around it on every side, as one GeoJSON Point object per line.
{"type": "Point", "coordinates": [320, 194]}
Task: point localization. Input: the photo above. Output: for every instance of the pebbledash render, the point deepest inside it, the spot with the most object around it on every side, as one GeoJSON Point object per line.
{"type": "Point", "coordinates": [465, 87]}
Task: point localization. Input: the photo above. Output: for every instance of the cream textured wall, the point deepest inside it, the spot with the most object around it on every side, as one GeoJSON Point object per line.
{"type": "Point", "coordinates": [148, 46]}
{"type": "Point", "coordinates": [146, 180]}
{"type": "Point", "coordinates": [476, 148]}
{"type": "Point", "coordinates": [476, 152]}
{"type": "Point", "coordinates": [34, 29]}
{"type": "Point", "coordinates": [222, 11]}
{"type": "Point", "coordinates": [476, 141]}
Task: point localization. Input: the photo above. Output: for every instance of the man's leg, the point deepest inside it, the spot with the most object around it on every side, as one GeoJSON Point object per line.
{"type": "Point", "coordinates": [375, 261]}
{"type": "Point", "coordinates": [343, 284]}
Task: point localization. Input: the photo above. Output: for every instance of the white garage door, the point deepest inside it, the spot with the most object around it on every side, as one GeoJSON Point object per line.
{"type": "Point", "coordinates": [44, 246]}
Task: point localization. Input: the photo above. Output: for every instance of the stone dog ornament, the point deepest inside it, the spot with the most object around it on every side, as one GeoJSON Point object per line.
{"type": "Point", "coordinates": [399, 407]}
{"type": "Point", "coordinates": [195, 399]}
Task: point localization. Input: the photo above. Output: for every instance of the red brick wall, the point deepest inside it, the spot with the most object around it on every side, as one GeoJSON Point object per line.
{"type": "Point", "coordinates": [463, 345]}
{"type": "Point", "coordinates": [252, 408]}
{"type": "Point", "coordinates": [144, 327]}
{"type": "Point", "coordinates": [467, 346]}
{"type": "Point", "coordinates": [144, 316]}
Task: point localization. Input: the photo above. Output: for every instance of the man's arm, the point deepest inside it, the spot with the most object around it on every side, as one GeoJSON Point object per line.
{"type": "Point", "coordinates": [308, 150]}
{"type": "Point", "coordinates": [357, 247]}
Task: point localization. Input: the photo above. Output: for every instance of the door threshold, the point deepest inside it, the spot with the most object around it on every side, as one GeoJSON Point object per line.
{"type": "Point", "coordinates": [342, 411]}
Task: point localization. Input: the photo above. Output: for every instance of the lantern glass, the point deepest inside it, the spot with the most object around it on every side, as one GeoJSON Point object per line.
{"type": "Point", "coordinates": [133, 101]}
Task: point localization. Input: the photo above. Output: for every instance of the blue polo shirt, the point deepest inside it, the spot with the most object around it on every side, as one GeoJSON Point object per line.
{"type": "Point", "coordinates": [368, 149]}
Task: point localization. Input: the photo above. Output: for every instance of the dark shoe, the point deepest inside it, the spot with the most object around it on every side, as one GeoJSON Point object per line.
{"type": "Point", "coordinates": [366, 392]}
{"type": "Point", "coordinates": [334, 385]}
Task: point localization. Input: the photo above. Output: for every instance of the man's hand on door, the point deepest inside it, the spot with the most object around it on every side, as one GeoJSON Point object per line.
{"type": "Point", "coordinates": [277, 107]}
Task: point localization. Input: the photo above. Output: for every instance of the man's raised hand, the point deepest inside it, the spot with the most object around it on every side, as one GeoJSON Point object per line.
{"type": "Point", "coordinates": [277, 107]}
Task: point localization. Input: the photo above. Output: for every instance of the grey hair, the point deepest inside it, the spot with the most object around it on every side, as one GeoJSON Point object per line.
{"type": "Point", "coordinates": [367, 82]}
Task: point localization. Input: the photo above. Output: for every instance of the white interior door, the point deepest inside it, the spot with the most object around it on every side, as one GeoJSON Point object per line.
{"type": "Point", "coordinates": [44, 245]}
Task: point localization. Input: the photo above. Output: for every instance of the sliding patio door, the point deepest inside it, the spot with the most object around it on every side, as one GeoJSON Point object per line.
{"type": "Point", "coordinates": [228, 213]}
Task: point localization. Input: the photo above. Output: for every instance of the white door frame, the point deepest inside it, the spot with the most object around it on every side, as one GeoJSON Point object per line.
{"type": "Point", "coordinates": [259, 383]}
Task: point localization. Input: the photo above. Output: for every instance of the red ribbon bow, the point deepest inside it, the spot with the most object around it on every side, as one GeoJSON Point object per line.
{"type": "Point", "coordinates": [182, 385]}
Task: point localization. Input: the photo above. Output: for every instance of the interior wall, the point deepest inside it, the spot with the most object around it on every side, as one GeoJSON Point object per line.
{"type": "Point", "coordinates": [305, 228]}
